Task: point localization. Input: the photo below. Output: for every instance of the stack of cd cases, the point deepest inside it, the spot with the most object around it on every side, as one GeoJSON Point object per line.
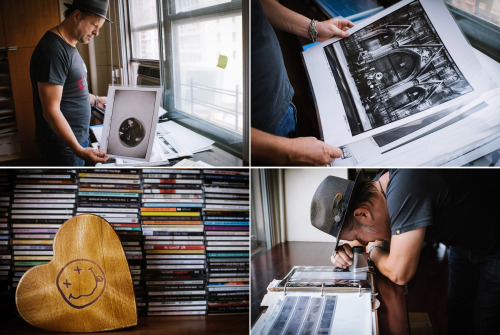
{"type": "Point", "coordinates": [173, 242]}
{"type": "Point", "coordinates": [226, 215]}
{"type": "Point", "coordinates": [114, 195]}
{"type": "Point", "coordinates": [185, 232]}
{"type": "Point", "coordinates": [42, 201]}
{"type": "Point", "coordinates": [5, 250]}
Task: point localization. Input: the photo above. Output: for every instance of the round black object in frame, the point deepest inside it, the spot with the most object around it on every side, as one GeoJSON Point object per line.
{"type": "Point", "coordinates": [131, 132]}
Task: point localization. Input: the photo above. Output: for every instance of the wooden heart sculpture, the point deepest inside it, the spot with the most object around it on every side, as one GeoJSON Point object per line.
{"type": "Point", "coordinates": [86, 287]}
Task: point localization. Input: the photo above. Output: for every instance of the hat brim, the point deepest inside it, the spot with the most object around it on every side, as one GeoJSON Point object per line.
{"type": "Point", "coordinates": [70, 6]}
{"type": "Point", "coordinates": [359, 177]}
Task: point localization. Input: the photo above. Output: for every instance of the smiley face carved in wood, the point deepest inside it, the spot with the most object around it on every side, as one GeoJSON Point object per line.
{"type": "Point", "coordinates": [81, 282]}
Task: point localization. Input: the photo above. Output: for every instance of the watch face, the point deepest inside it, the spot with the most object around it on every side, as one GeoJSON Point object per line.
{"type": "Point", "coordinates": [131, 132]}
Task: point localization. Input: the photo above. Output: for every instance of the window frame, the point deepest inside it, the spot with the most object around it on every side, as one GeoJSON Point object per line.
{"type": "Point", "coordinates": [126, 7]}
{"type": "Point", "coordinates": [227, 140]}
{"type": "Point", "coordinates": [480, 33]}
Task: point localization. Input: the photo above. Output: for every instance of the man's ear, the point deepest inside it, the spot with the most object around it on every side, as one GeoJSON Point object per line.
{"type": "Point", "coordinates": [363, 215]}
{"type": "Point", "coordinates": [76, 15]}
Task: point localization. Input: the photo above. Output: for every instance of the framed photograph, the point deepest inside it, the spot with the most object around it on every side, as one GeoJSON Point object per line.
{"type": "Point", "coordinates": [130, 121]}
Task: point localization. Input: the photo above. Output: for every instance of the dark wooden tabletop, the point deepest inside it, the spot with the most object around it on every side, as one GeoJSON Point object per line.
{"type": "Point", "coordinates": [211, 324]}
{"type": "Point", "coordinates": [277, 262]}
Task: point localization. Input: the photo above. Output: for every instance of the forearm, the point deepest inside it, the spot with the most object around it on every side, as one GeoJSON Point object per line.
{"type": "Point", "coordinates": [397, 271]}
{"type": "Point", "coordinates": [270, 148]}
{"type": "Point", "coordinates": [285, 19]}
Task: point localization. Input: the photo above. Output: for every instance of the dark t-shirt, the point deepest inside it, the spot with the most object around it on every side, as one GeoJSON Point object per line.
{"type": "Point", "coordinates": [271, 89]}
{"type": "Point", "coordinates": [457, 206]}
{"type": "Point", "coordinates": [57, 62]}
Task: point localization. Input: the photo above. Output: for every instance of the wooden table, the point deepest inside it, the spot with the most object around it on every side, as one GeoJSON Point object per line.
{"type": "Point", "coordinates": [182, 325]}
{"type": "Point", "coordinates": [277, 262]}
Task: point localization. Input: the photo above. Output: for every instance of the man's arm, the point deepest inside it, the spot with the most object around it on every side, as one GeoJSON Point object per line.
{"type": "Point", "coordinates": [101, 102]}
{"type": "Point", "coordinates": [50, 97]}
{"type": "Point", "coordinates": [287, 20]}
{"type": "Point", "coordinates": [400, 264]}
{"type": "Point", "coordinates": [291, 151]}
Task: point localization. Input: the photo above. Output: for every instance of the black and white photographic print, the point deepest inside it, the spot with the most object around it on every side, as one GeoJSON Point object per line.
{"type": "Point", "coordinates": [130, 122]}
{"type": "Point", "coordinates": [407, 63]}
{"type": "Point", "coordinates": [399, 67]}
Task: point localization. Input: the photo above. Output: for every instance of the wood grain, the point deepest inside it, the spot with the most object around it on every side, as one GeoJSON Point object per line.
{"type": "Point", "coordinates": [3, 42]}
{"type": "Point", "coordinates": [25, 21]}
{"type": "Point", "coordinates": [87, 286]}
{"type": "Point", "coordinates": [19, 67]}
{"type": "Point", "coordinates": [214, 324]}
{"type": "Point", "coordinates": [24, 24]}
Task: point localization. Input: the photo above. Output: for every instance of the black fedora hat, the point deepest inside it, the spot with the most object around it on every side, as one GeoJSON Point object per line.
{"type": "Point", "coordinates": [330, 204]}
{"type": "Point", "coordinates": [99, 7]}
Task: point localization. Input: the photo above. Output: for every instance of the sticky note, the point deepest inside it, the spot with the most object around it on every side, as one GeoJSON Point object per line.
{"type": "Point", "coordinates": [222, 62]}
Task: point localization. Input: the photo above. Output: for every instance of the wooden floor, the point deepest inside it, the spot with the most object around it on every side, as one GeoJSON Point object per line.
{"type": "Point", "coordinates": [427, 290]}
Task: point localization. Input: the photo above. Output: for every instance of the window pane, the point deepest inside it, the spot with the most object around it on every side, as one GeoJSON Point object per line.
{"type": "Point", "coordinates": [144, 29]}
{"type": "Point", "coordinates": [486, 9]}
{"type": "Point", "coordinates": [201, 88]}
{"type": "Point", "coordinates": [188, 5]}
{"type": "Point", "coordinates": [259, 236]}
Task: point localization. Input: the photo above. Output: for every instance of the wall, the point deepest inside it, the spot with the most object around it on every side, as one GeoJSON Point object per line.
{"type": "Point", "coordinates": [300, 185]}
{"type": "Point", "coordinates": [108, 50]}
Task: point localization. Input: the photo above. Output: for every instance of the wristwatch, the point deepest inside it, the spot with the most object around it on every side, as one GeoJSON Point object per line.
{"type": "Point", "coordinates": [371, 248]}
{"type": "Point", "coordinates": [96, 100]}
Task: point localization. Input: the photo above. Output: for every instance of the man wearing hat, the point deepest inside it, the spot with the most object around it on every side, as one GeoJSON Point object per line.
{"type": "Point", "coordinates": [61, 97]}
{"type": "Point", "coordinates": [391, 217]}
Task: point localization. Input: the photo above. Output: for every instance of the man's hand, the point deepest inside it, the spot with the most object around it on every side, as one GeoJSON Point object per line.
{"type": "Point", "coordinates": [92, 155]}
{"type": "Point", "coordinates": [333, 27]}
{"type": "Point", "coordinates": [287, 20]}
{"type": "Point", "coordinates": [276, 150]}
{"type": "Point", "coordinates": [343, 257]}
{"type": "Point", "coordinates": [311, 151]}
{"type": "Point", "coordinates": [102, 102]}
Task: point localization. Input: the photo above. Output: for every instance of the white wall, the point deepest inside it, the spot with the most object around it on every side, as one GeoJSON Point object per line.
{"type": "Point", "coordinates": [300, 185]}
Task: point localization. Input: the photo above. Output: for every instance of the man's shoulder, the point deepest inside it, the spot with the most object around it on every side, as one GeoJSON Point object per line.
{"type": "Point", "coordinates": [417, 182]}
{"type": "Point", "coordinates": [50, 45]}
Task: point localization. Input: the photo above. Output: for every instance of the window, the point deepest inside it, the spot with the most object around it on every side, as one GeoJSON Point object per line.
{"type": "Point", "coordinates": [190, 5]}
{"type": "Point", "coordinates": [203, 68]}
{"type": "Point", "coordinates": [479, 20]}
{"type": "Point", "coordinates": [485, 9]}
{"type": "Point", "coordinates": [142, 40]}
{"type": "Point", "coordinates": [143, 22]}
{"type": "Point", "coordinates": [260, 225]}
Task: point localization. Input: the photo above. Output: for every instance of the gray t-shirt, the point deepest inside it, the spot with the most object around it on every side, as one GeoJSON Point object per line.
{"type": "Point", "coordinates": [457, 206]}
{"type": "Point", "coordinates": [272, 92]}
{"type": "Point", "coordinates": [56, 62]}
